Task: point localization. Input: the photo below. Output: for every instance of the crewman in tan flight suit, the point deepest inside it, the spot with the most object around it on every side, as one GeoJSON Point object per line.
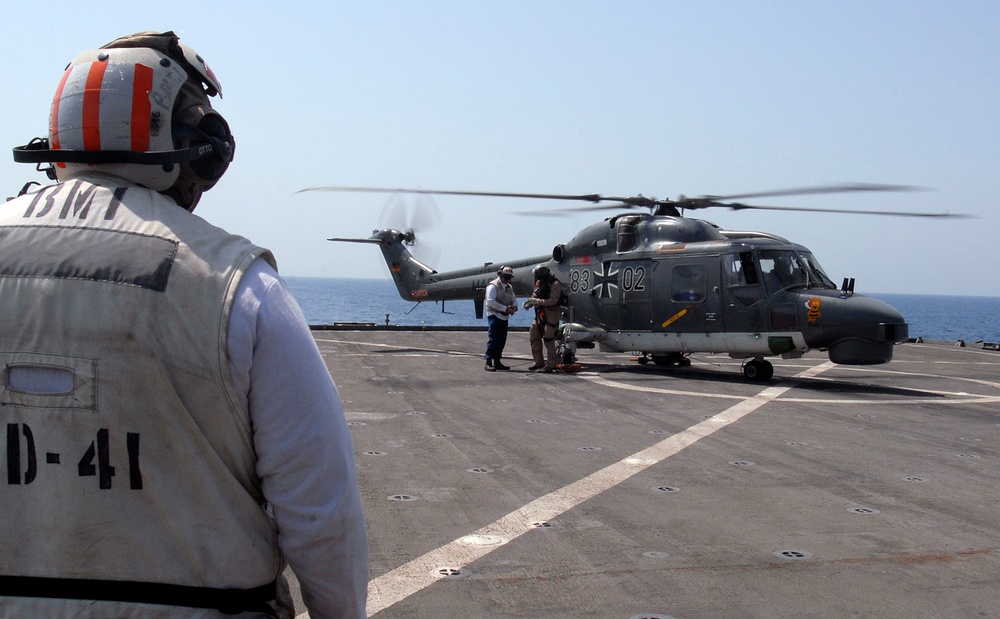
{"type": "Point", "coordinates": [546, 300]}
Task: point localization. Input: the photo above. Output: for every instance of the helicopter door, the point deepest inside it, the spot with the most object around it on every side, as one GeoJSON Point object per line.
{"type": "Point", "coordinates": [742, 293]}
{"type": "Point", "coordinates": [687, 300]}
{"type": "Point", "coordinates": [634, 282]}
{"type": "Point", "coordinates": [624, 286]}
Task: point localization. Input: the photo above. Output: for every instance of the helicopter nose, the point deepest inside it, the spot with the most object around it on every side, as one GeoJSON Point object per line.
{"type": "Point", "coordinates": [863, 331]}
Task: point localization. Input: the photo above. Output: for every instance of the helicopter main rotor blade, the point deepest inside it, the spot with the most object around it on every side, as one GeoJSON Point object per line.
{"type": "Point", "coordinates": [620, 202]}
{"type": "Point", "coordinates": [567, 212]}
{"type": "Point", "coordinates": [445, 192]}
{"type": "Point", "coordinates": [819, 189]}
{"type": "Point", "coordinates": [635, 200]}
{"type": "Point", "coordinates": [736, 206]}
{"type": "Point", "coordinates": [673, 206]}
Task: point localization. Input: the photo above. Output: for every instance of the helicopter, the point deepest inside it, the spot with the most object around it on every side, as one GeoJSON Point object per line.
{"type": "Point", "coordinates": [663, 286]}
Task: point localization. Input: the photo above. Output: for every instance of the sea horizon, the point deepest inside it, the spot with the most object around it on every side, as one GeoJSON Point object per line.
{"type": "Point", "coordinates": [328, 300]}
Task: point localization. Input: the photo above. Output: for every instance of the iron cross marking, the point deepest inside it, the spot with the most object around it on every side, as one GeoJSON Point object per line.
{"type": "Point", "coordinates": [605, 280]}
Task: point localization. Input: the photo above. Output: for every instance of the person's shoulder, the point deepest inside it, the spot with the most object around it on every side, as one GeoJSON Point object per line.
{"type": "Point", "coordinates": [262, 283]}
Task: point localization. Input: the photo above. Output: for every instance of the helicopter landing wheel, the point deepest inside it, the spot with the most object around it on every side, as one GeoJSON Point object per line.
{"type": "Point", "coordinates": [566, 352]}
{"type": "Point", "coordinates": [758, 370]}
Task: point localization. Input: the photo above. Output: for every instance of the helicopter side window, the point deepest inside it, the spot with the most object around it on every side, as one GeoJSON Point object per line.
{"type": "Point", "coordinates": [687, 283]}
{"type": "Point", "coordinates": [627, 236]}
{"type": "Point", "coordinates": [740, 275]}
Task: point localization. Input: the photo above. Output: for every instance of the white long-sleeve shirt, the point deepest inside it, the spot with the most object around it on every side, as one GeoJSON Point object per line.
{"type": "Point", "coordinates": [494, 308]}
{"type": "Point", "coordinates": [305, 457]}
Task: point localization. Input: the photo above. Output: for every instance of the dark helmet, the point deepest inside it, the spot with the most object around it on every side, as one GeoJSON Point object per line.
{"type": "Point", "coordinates": [149, 122]}
{"type": "Point", "coordinates": [540, 272]}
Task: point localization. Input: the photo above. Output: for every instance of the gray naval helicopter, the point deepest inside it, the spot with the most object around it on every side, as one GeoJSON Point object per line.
{"type": "Point", "coordinates": [663, 286]}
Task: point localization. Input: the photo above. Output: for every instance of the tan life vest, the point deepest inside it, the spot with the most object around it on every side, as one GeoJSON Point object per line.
{"type": "Point", "coordinates": [139, 465]}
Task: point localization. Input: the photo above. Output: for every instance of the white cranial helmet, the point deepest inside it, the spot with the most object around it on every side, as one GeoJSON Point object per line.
{"type": "Point", "coordinates": [138, 109]}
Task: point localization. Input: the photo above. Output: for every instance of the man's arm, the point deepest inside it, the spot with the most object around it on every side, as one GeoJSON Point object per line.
{"type": "Point", "coordinates": [305, 457]}
{"type": "Point", "coordinates": [555, 293]}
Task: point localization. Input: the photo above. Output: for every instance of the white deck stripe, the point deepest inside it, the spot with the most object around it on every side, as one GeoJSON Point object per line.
{"type": "Point", "coordinates": [419, 573]}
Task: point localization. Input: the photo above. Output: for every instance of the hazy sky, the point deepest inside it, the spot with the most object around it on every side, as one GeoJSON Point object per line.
{"type": "Point", "coordinates": [617, 98]}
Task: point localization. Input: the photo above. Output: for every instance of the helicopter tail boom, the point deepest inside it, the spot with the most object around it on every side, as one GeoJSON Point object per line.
{"type": "Point", "coordinates": [416, 281]}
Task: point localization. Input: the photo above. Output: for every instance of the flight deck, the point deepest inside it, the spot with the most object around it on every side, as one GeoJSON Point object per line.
{"type": "Point", "coordinates": [637, 491]}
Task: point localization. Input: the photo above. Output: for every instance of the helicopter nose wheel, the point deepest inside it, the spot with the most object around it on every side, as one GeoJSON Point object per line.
{"type": "Point", "coordinates": [758, 370]}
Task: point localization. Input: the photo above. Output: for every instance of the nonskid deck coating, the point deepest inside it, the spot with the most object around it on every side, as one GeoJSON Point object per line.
{"type": "Point", "coordinates": [637, 491]}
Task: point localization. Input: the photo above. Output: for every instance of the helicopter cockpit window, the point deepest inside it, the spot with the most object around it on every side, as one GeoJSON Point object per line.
{"type": "Point", "coordinates": [784, 269]}
{"type": "Point", "coordinates": [781, 270]}
{"type": "Point", "coordinates": [817, 276]}
{"type": "Point", "coordinates": [740, 276]}
{"type": "Point", "coordinates": [627, 235]}
{"type": "Point", "coordinates": [687, 283]}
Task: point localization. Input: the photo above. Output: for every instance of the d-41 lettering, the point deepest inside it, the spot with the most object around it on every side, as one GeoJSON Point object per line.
{"type": "Point", "coordinates": [22, 458]}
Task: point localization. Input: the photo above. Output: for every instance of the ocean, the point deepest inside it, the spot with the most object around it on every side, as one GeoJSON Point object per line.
{"type": "Point", "coordinates": [330, 300]}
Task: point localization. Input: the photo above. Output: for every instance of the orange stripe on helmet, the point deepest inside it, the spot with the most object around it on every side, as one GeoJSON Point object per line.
{"type": "Point", "coordinates": [54, 115]}
{"type": "Point", "coordinates": [92, 106]}
{"type": "Point", "coordinates": [142, 85]}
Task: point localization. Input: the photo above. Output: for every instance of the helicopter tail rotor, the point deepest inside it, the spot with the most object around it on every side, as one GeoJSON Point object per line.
{"type": "Point", "coordinates": [415, 215]}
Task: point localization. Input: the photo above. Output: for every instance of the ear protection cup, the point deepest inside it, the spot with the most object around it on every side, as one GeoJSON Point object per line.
{"type": "Point", "coordinates": [214, 130]}
{"type": "Point", "coordinates": [196, 125]}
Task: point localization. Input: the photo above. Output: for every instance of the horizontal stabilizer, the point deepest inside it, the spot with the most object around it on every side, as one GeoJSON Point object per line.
{"type": "Point", "coordinates": [375, 241]}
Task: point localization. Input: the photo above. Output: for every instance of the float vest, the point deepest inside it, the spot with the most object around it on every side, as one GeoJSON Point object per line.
{"type": "Point", "coordinates": [505, 296]}
{"type": "Point", "coordinates": [138, 469]}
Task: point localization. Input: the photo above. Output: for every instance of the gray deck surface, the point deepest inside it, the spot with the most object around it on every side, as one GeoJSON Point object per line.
{"type": "Point", "coordinates": [628, 491]}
